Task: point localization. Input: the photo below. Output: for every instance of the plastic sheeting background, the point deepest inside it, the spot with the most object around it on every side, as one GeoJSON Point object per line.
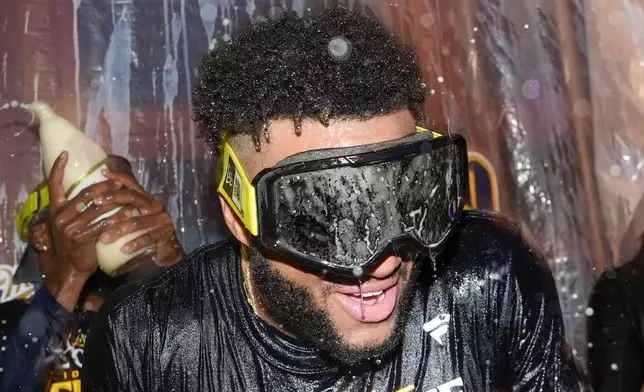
{"type": "Point", "coordinates": [512, 76]}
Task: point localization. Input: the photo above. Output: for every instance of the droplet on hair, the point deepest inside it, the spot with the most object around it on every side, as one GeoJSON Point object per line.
{"type": "Point", "coordinates": [257, 143]}
{"type": "Point", "coordinates": [297, 122]}
{"type": "Point", "coordinates": [267, 136]}
{"type": "Point", "coordinates": [339, 48]}
{"type": "Point", "coordinates": [324, 115]}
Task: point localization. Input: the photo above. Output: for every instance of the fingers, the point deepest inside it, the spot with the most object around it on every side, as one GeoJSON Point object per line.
{"type": "Point", "coordinates": [78, 223]}
{"type": "Point", "coordinates": [148, 239]}
{"type": "Point", "coordinates": [82, 202]}
{"type": "Point", "coordinates": [144, 202]}
{"type": "Point", "coordinates": [93, 231]}
{"type": "Point", "coordinates": [169, 252]}
{"type": "Point", "coordinates": [40, 237]}
{"type": "Point", "coordinates": [126, 179]}
{"type": "Point", "coordinates": [158, 235]}
{"type": "Point", "coordinates": [56, 189]}
{"type": "Point", "coordinates": [144, 222]}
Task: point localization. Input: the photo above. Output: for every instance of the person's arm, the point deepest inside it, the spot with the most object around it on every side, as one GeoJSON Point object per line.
{"type": "Point", "coordinates": [616, 361]}
{"type": "Point", "coordinates": [33, 343]}
{"type": "Point", "coordinates": [540, 359]}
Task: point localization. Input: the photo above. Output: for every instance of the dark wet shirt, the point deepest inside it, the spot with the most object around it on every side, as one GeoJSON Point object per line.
{"type": "Point", "coordinates": [616, 329]}
{"type": "Point", "coordinates": [42, 345]}
{"type": "Point", "coordinates": [488, 320]}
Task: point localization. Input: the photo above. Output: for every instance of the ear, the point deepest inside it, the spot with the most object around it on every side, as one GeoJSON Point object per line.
{"type": "Point", "coordinates": [234, 224]}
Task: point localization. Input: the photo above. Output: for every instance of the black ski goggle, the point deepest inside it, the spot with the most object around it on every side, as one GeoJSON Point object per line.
{"type": "Point", "coordinates": [343, 210]}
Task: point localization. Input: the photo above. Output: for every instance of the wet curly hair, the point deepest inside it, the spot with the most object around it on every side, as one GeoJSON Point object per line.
{"type": "Point", "coordinates": [336, 65]}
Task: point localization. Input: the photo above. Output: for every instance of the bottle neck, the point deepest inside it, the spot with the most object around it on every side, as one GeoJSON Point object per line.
{"type": "Point", "coordinates": [45, 115]}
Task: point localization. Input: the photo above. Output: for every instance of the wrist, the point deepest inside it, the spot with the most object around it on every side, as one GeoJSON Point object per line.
{"type": "Point", "coordinates": [66, 286]}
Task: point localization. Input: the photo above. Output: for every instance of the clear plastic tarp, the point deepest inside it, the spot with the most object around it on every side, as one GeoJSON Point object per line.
{"type": "Point", "coordinates": [548, 93]}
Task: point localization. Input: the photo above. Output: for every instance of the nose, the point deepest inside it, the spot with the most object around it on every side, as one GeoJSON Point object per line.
{"type": "Point", "coordinates": [386, 267]}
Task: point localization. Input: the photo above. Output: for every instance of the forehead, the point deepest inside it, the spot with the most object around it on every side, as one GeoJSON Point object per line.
{"type": "Point", "coordinates": [283, 141]}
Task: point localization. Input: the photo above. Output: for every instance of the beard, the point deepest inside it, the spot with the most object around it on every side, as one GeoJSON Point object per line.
{"type": "Point", "coordinates": [293, 307]}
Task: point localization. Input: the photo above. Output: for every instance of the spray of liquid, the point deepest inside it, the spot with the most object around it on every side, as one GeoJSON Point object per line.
{"type": "Point", "coordinates": [19, 105]}
{"type": "Point", "coordinates": [13, 104]}
{"type": "Point", "coordinates": [357, 272]}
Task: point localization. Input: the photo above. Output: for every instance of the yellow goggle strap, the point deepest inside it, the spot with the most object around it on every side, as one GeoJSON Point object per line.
{"type": "Point", "coordinates": [237, 190]}
{"type": "Point", "coordinates": [235, 187]}
{"type": "Point", "coordinates": [36, 201]}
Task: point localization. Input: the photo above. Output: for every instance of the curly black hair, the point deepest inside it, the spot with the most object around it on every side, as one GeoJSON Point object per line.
{"type": "Point", "coordinates": [338, 64]}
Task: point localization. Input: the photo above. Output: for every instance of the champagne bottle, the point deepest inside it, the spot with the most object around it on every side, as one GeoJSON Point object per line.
{"type": "Point", "coordinates": [86, 160]}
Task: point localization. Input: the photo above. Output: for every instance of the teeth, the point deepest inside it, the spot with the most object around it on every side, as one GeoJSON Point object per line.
{"type": "Point", "coordinates": [371, 294]}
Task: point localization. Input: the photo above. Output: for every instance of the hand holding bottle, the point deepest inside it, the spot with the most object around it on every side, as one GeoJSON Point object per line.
{"type": "Point", "coordinates": [160, 233]}
{"type": "Point", "coordinates": [75, 231]}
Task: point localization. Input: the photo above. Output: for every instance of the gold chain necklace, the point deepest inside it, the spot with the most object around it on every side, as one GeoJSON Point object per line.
{"type": "Point", "coordinates": [248, 290]}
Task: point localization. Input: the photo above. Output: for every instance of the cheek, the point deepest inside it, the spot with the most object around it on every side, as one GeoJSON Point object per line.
{"type": "Point", "coordinates": [315, 285]}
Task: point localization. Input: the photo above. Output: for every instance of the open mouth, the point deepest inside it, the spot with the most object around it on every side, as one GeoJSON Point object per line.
{"type": "Point", "coordinates": [372, 306]}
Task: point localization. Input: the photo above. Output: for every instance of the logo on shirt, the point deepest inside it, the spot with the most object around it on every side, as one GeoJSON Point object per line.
{"type": "Point", "coordinates": [66, 376]}
{"type": "Point", "coordinates": [438, 327]}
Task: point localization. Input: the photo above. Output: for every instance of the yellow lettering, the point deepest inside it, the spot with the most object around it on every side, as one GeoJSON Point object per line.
{"type": "Point", "coordinates": [66, 386]}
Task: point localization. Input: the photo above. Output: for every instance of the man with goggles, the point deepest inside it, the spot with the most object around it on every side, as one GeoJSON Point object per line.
{"type": "Point", "coordinates": [352, 265]}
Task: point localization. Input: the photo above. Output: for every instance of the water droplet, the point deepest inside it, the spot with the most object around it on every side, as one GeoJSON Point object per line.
{"type": "Point", "coordinates": [614, 367]}
{"type": "Point", "coordinates": [590, 344]}
{"type": "Point", "coordinates": [440, 79]}
{"type": "Point", "coordinates": [526, 26]}
{"type": "Point", "coordinates": [615, 170]}
{"type": "Point", "coordinates": [88, 306]}
{"type": "Point", "coordinates": [427, 20]}
{"type": "Point", "coordinates": [378, 361]}
{"type": "Point", "coordinates": [339, 48]}
{"type": "Point", "coordinates": [531, 89]}
{"type": "Point", "coordinates": [14, 104]}
{"type": "Point", "coordinates": [225, 22]}
{"type": "Point", "coordinates": [616, 18]}
{"type": "Point", "coordinates": [357, 271]}
{"type": "Point", "coordinates": [226, 37]}
{"type": "Point", "coordinates": [581, 108]}
{"type": "Point", "coordinates": [34, 339]}
{"type": "Point", "coordinates": [209, 13]}
{"type": "Point", "coordinates": [589, 311]}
